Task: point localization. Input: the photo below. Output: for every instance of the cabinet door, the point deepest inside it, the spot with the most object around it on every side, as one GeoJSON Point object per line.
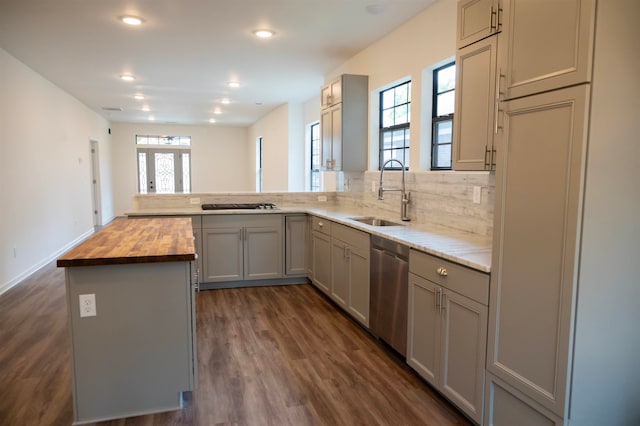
{"type": "Point", "coordinates": [505, 404]}
{"type": "Point", "coordinates": [336, 137]}
{"type": "Point", "coordinates": [321, 256]}
{"type": "Point", "coordinates": [309, 246]}
{"type": "Point", "coordinates": [295, 245]}
{"type": "Point", "coordinates": [336, 91]}
{"type": "Point", "coordinates": [423, 328]}
{"type": "Point", "coordinates": [359, 283]}
{"type": "Point", "coordinates": [326, 136]}
{"type": "Point", "coordinates": [339, 273]}
{"type": "Point", "coordinates": [331, 94]}
{"type": "Point", "coordinates": [262, 253]}
{"type": "Point", "coordinates": [331, 136]}
{"type": "Point", "coordinates": [536, 223]}
{"type": "Point", "coordinates": [222, 249]}
{"type": "Point", "coordinates": [477, 19]}
{"type": "Point", "coordinates": [463, 352]}
{"type": "Point", "coordinates": [535, 60]}
{"type": "Point", "coordinates": [476, 105]}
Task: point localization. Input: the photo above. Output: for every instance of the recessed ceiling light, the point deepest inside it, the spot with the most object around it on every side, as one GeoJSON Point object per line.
{"type": "Point", "coordinates": [127, 77]}
{"type": "Point", "coordinates": [131, 20]}
{"type": "Point", "coordinates": [151, 118]}
{"type": "Point", "coordinates": [217, 112]}
{"type": "Point", "coordinates": [212, 120]}
{"type": "Point", "coordinates": [139, 97]}
{"type": "Point", "coordinates": [263, 33]}
{"type": "Point", "coordinates": [225, 101]}
{"type": "Point", "coordinates": [146, 108]}
{"type": "Point", "coordinates": [233, 84]}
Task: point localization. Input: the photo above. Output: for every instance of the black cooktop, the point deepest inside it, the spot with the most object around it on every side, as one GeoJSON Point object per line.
{"type": "Point", "coordinates": [242, 206]}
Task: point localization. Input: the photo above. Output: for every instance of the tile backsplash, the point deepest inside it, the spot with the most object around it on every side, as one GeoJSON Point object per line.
{"type": "Point", "coordinates": [441, 198]}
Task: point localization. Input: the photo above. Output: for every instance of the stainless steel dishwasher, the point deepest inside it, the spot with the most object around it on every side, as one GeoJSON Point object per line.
{"type": "Point", "coordinates": [388, 294]}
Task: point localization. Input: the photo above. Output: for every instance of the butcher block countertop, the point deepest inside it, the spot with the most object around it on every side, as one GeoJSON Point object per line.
{"type": "Point", "coordinates": [126, 241]}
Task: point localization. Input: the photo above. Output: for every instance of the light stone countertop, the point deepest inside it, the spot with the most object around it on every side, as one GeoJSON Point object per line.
{"type": "Point", "coordinates": [471, 250]}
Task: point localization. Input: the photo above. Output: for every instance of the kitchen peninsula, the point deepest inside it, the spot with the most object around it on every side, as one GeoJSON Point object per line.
{"type": "Point", "coordinates": [131, 310]}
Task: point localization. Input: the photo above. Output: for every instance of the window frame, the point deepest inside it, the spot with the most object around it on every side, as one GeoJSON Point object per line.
{"type": "Point", "coordinates": [259, 174]}
{"type": "Point", "coordinates": [437, 119]}
{"type": "Point", "coordinates": [406, 127]}
{"type": "Point", "coordinates": [314, 174]}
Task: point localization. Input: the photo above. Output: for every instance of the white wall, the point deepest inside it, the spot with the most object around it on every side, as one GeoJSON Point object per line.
{"type": "Point", "coordinates": [220, 158]}
{"type": "Point", "coordinates": [274, 129]}
{"type": "Point", "coordinates": [422, 42]}
{"type": "Point", "coordinates": [45, 169]}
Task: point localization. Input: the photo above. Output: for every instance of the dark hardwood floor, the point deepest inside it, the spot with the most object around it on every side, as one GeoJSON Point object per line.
{"type": "Point", "coordinates": [266, 356]}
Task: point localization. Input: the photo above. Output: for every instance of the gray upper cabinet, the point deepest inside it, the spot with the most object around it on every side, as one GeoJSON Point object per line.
{"type": "Point", "coordinates": [477, 19]}
{"type": "Point", "coordinates": [474, 124]}
{"type": "Point", "coordinates": [242, 247]}
{"type": "Point", "coordinates": [331, 94]}
{"type": "Point", "coordinates": [344, 120]}
{"type": "Point", "coordinates": [552, 47]}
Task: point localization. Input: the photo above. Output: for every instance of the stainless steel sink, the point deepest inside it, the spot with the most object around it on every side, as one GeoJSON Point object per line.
{"type": "Point", "coordinates": [374, 221]}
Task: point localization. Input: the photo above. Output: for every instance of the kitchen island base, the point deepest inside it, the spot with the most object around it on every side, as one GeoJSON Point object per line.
{"type": "Point", "coordinates": [137, 354]}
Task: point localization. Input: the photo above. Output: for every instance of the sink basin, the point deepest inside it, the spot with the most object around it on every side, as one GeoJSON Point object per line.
{"type": "Point", "coordinates": [374, 221]}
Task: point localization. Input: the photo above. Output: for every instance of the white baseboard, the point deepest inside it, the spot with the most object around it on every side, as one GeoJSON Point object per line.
{"type": "Point", "coordinates": [33, 269]}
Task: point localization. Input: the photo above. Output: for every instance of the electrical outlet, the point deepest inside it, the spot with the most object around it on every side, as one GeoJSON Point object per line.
{"type": "Point", "coordinates": [87, 305]}
{"type": "Point", "coordinates": [194, 200]}
{"type": "Point", "coordinates": [322, 198]}
{"type": "Point", "coordinates": [477, 190]}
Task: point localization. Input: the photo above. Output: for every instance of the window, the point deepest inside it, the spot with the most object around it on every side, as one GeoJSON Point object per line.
{"type": "Point", "coordinates": [395, 113]}
{"type": "Point", "coordinates": [259, 164]}
{"type": "Point", "coordinates": [444, 84]}
{"type": "Point", "coordinates": [164, 164]}
{"type": "Point", "coordinates": [163, 140]}
{"type": "Point", "coordinates": [316, 160]}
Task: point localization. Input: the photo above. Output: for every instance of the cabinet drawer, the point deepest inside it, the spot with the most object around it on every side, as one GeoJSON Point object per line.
{"type": "Point", "coordinates": [352, 237]}
{"type": "Point", "coordinates": [466, 281]}
{"type": "Point", "coordinates": [321, 225]}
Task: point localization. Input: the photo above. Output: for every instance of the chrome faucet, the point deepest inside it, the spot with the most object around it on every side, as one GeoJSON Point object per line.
{"type": "Point", "coordinates": [405, 196]}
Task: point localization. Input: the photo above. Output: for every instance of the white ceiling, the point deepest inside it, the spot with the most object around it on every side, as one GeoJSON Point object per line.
{"type": "Point", "coordinates": [187, 50]}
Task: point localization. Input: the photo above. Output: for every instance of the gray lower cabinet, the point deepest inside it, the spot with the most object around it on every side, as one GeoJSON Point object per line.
{"type": "Point", "coordinates": [447, 329]}
{"type": "Point", "coordinates": [295, 233]}
{"type": "Point", "coordinates": [340, 258]}
{"type": "Point", "coordinates": [242, 247]}
{"type": "Point", "coordinates": [350, 251]}
{"type": "Point", "coordinates": [321, 253]}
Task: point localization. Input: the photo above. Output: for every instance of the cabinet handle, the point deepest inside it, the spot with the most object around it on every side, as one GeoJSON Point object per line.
{"type": "Point", "coordinates": [435, 299]}
{"type": "Point", "coordinates": [487, 161]}
{"type": "Point", "coordinates": [320, 224]}
{"type": "Point", "coordinates": [494, 27]}
{"type": "Point", "coordinates": [442, 271]}
{"type": "Point", "coordinates": [499, 18]}
{"type": "Point", "coordinates": [442, 300]}
{"type": "Point", "coordinates": [493, 159]}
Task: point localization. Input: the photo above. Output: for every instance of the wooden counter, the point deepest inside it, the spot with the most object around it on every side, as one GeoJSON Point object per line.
{"type": "Point", "coordinates": [126, 241]}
